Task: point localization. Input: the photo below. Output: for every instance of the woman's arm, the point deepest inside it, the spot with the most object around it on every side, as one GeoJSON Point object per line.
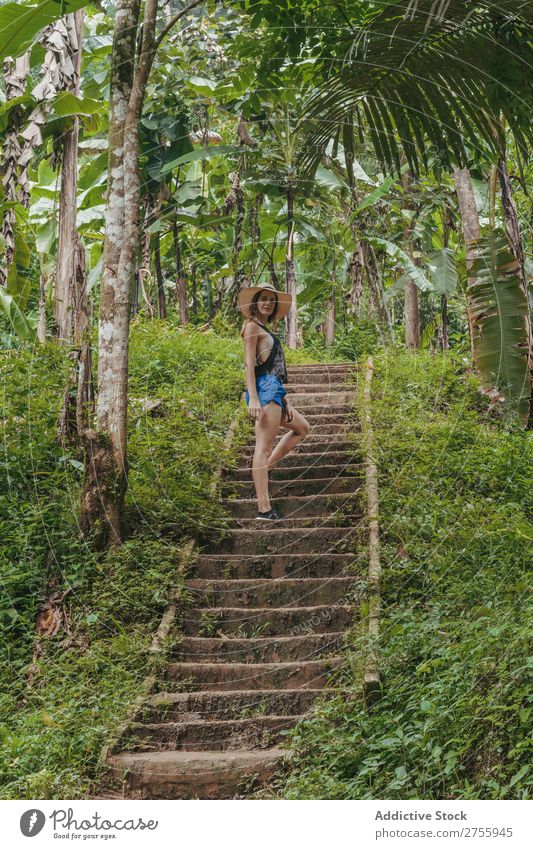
{"type": "Point", "coordinates": [251, 332]}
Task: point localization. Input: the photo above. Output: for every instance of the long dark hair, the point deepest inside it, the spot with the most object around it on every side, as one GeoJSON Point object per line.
{"type": "Point", "coordinates": [254, 311]}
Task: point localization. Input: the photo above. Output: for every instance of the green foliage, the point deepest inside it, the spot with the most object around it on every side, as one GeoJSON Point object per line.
{"type": "Point", "coordinates": [57, 711]}
{"type": "Point", "coordinates": [456, 545]}
{"type": "Point", "coordinates": [499, 312]}
{"type": "Point", "coordinates": [20, 22]}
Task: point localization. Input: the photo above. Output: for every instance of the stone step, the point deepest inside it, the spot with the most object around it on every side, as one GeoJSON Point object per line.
{"type": "Point", "coordinates": [320, 447]}
{"type": "Point", "coordinates": [323, 429]}
{"type": "Point", "coordinates": [276, 540]}
{"type": "Point", "coordinates": [266, 622]}
{"type": "Point", "coordinates": [343, 425]}
{"type": "Point", "coordinates": [313, 388]}
{"type": "Point", "coordinates": [314, 402]}
{"type": "Point", "coordinates": [234, 566]}
{"type": "Point", "coordinates": [332, 520]}
{"type": "Point", "coordinates": [218, 735]}
{"type": "Point", "coordinates": [275, 592]}
{"type": "Point", "coordinates": [236, 704]}
{"type": "Point", "coordinates": [301, 486]}
{"type": "Point", "coordinates": [257, 649]}
{"type": "Point", "coordinates": [316, 368]}
{"type": "Point", "coordinates": [295, 507]}
{"type": "Point", "coordinates": [194, 775]}
{"type": "Point", "coordinates": [323, 411]}
{"type": "Point", "coordinates": [304, 469]}
{"type": "Point", "coordinates": [317, 435]}
{"type": "Point", "coordinates": [297, 459]}
{"type": "Point", "coordinates": [253, 676]}
{"type": "Point", "coordinates": [329, 423]}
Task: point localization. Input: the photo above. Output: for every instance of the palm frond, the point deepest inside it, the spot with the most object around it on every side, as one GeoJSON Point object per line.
{"type": "Point", "coordinates": [439, 87]}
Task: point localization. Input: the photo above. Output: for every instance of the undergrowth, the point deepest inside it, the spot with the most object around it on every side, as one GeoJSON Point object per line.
{"type": "Point", "coordinates": [59, 706]}
{"type": "Point", "coordinates": [456, 537]}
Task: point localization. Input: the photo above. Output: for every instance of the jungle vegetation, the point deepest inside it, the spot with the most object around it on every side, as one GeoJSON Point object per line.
{"type": "Point", "coordinates": [371, 158]}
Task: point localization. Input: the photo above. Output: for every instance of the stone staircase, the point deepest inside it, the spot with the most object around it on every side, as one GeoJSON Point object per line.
{"type": "Point", "coordinates": [270, 606]}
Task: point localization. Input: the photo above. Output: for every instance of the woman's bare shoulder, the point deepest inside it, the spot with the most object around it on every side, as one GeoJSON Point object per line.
{"type": "Point", "coordinates": [251, 328]}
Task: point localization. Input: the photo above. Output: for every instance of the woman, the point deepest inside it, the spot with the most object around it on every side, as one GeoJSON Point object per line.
{"type": "Point", "coordinates": [265, 396]}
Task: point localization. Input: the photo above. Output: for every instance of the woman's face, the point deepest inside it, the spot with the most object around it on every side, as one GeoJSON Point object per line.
{"type": "Point", "coordinates": [266, 304]}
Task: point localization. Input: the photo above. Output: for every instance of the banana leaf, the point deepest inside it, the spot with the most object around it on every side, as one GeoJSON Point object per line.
{"type": "Point", "coordinates": [20, 22]}
{"type": "Point", "coordinates": [23, 326]}
{"type": "Point", "coordinates": [499, 316]}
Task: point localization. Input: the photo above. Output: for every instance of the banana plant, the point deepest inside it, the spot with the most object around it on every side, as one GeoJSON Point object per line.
{"type": "Point", "coordinates": [498, 313]}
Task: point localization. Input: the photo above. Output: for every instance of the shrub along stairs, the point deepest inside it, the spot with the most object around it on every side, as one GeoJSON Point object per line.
{"type": "Point", "coordinates": [270, 605]}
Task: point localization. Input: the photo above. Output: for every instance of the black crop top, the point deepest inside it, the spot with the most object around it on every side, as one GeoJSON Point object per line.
{"type": "Point", "coordinates": [275, 362]}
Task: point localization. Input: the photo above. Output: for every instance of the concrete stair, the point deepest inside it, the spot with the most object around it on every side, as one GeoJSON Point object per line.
{"type": "Point", "coordinates": [261, 625]}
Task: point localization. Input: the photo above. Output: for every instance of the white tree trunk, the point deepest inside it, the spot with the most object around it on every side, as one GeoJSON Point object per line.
{"type": "Point", "coordinates": [106, 467]}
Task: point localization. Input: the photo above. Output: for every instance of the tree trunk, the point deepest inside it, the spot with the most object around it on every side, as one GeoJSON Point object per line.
{"type": "Point", "coordinates": [292, 338]}
{"type": "Point", "coordinates": [76, 413]}
{"type": "Point", "coordinates": [135, 304]}
{"type": "Point", "coordinates": [329, 335]}
{"type": "Point", "coordinates": [355, 281]}
{"type": "Point", "coordinates": [255, 233]}
{"type": "Point", "coordinates": [161, 301]}
{"type": "Point", "coordinates": [41, 326]}
{"type": "Point", "coordinates": [106, 460]}
{"type": "Point", "coordinates": [181, 282]}
{"type": "Point", "coordinates": [194, 282]}
{"type": "Point", "coordinates": [514, 237]}
{"type": "Point", "coordinates": [238, 203]}
{"type": "Point", "coordinates": [66, 271]}
{"type": "Point", "coordinates": [443, 327]}
{"type": "Point", "coordinates": [471, 230]}
{"type": "Point", "coordinates": [411, 316]}
{"type": "Point", "coordinates": [375, 285]}
{"type": "Point", "coordinates": [411, 305]}
{"type": "Point", "coordinates": [144, 274]}
{"type": "Point", "coordinates": [16, 73]}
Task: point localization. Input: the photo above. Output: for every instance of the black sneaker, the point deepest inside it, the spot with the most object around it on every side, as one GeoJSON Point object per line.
{"type": "Point", "coordinates": [269, 514]}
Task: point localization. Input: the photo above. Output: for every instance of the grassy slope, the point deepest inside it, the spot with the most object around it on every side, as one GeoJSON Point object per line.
{"type": "Point", "coordinates": [456, 542]}
{"type": "Point", "coordinates": [51, 733]}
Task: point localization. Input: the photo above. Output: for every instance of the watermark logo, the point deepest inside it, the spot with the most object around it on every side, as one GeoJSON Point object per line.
{"type": "Point", "coordinates": [32, 822]}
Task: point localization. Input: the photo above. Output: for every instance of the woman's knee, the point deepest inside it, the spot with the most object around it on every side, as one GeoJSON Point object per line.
{"type": "Point", "coordinates": [304, 428]}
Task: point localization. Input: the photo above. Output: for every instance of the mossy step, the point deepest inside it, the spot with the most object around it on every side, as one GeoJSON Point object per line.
{"type": "Point", "coordinates": [267, 621]}
{"type": "Point", "coordinates": [329, 485]}
{"type": "Point", "coordinates": [296, 506]}
{"type": "Point", "coordinates": [193, 775]}
{"type": "Point", "coordinates": [253, 676]}
{"type": "Point", "coordinates": [277, 592]}
{"type": "Point", "coordinates": [214, 736]}
{"type": "Point", "coordinates": [321, 458]}
{"type": "Point", "coordinates": [318, 387]}
{"type": "Point", "coordinates": [256, 649]}
{"type": "Point", "coordinates": [236, 704]}
{"type": "Point", "coordinates": [297, 565]}
{"type": "Point", "coordinates": [273, 540]}
{"type": "Point", "coordinates": [302, 468]}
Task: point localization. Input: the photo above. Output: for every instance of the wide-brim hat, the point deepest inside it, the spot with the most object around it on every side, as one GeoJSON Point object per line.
{"type": "Point", "coordinates": [246, 295]}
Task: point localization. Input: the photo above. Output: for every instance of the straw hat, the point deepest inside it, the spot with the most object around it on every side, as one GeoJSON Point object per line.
{"type": "Point", "coordinates": [246, 295]}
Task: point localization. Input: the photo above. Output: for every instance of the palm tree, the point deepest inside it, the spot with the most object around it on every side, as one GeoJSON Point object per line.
{"type": "Point", "coordinates": [437, 79]}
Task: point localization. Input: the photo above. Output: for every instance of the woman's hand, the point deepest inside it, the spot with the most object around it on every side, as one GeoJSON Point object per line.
{"type": "Point", "coordinates": [255, 409]}
{"type": "Point", "coordinates": [288, 410]}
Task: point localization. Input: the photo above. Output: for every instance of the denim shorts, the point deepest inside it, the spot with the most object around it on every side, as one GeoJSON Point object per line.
{"type": "Point", "coordinates": [269, 388]}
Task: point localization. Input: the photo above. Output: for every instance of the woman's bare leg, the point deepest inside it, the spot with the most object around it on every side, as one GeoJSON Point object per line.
{"type": "Point", "coordinates": [299, 427]}
{"type": "Point", "coordinates": [266, 429]}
